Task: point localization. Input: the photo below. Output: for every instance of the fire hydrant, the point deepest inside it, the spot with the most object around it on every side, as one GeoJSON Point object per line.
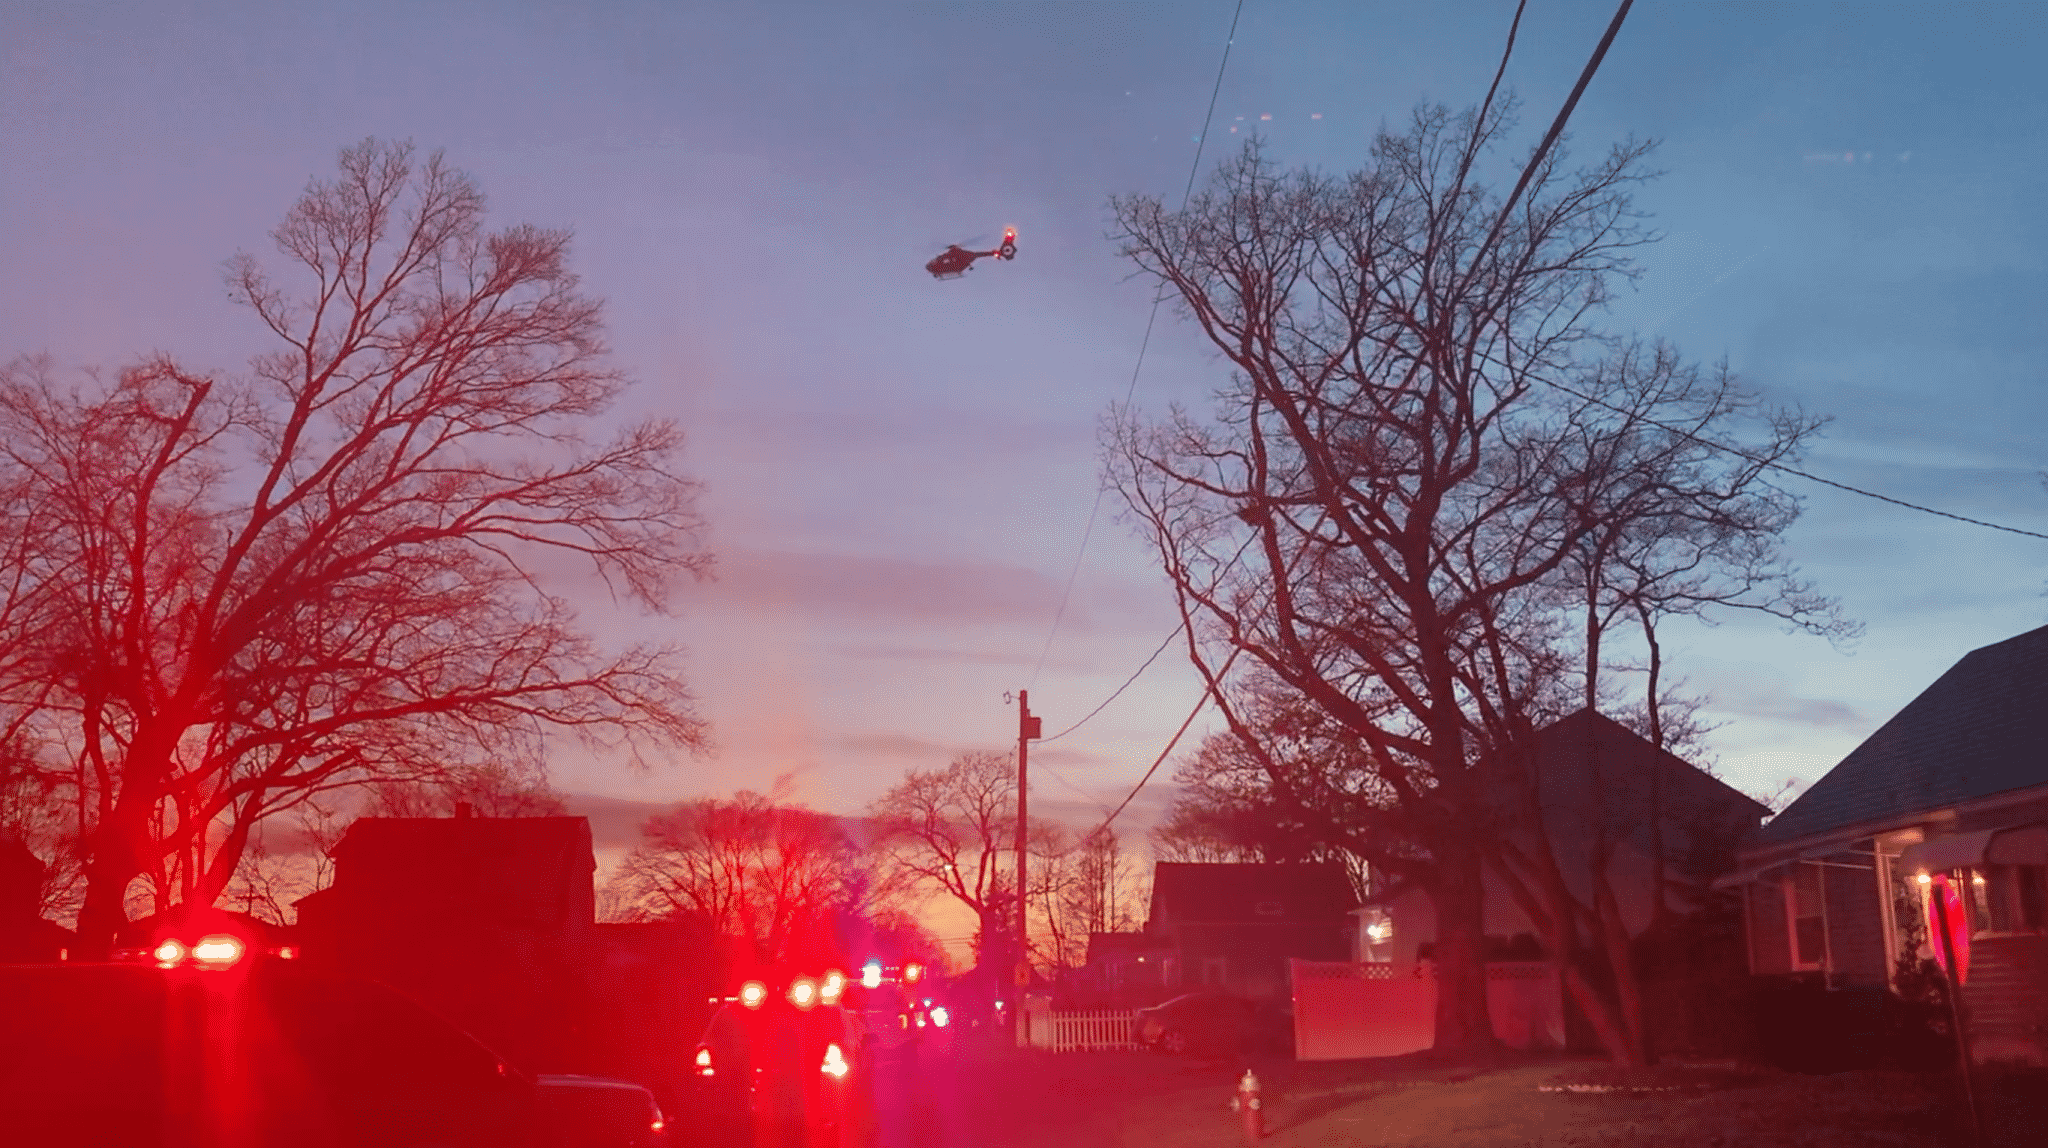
{"type": "Point", "coordinates": [1249, 1109]}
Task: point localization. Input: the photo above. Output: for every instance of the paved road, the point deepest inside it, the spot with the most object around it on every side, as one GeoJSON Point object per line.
{"type": "Point", "coordinates": [986, 1096]}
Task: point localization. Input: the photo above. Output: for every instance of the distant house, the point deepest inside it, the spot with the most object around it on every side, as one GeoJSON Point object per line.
{"type": "Point", "coordinates": [1121, 968]}
{"type": "Point", "coordinates": [490, 921]}
{"type": "Point", "coordinates": [1235, 926]}
{"type": "Point", "coordinates": [1596, 776]}
{"type": "Point", "coordinates": [1955, 782]}
{"type": "Point", "coordinates": [24, 934]}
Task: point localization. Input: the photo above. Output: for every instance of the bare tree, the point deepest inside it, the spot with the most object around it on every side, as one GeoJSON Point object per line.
{"type": "Point", "coordinates": [949, 830]}
{"type": "Point", "coordinates": [1421, 434]}
{"type": "Point", "coordinates": [1693, 528]}
{"type": "Point", "coordinates": [246, 592]}
{"type": "Point", "coordinates": [775, 878]}
{"type": "Point", "coordinates": [489, 790]}
{"type": "Point", "coordinates": [1297, 789]}
{"type": "Point", "coordinates": [1090, 885]}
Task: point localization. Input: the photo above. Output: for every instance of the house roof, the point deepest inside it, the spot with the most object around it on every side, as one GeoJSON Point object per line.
{"type": "Point", "coordinates": [1250, 892]}
{"type": "Point", "coordinates": [1978, 730]}
{"type": "Point", "coordinates": [479, 866]}
{"type": "Point", "coordinates": [1108, 946]}
{"type": "Point", "coordinates": [1685, 794]}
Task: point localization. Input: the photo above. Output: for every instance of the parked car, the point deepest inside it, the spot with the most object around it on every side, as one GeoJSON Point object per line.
{"type": "Point", "coordinates": [1204, 1023]}
{"type": "Point", "coordinates": [598, 1112]}
{"type": "Point", "coordinates": [209, 1047]}
{"type": "Point", "coordinates": [781, 1067]}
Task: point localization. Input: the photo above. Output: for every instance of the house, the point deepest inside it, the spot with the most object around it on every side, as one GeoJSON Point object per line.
{"type": "Point", "coordinates": [1235, 926]}
{"type": "Point", "coordinates": [24, 934]}
{"type": "Point", "coordinates": [1594, 775]}
{"type": "Point", "coordinates": [1120, 969]}
{"type": "Point", "coordinates": [488, 920]}
{"type": "Point", "coordinates": [1956, 783]}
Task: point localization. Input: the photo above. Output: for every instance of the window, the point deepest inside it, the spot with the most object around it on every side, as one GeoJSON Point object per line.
{"type": "Point", "coordinates": [2008, 899]}
{"type": "Point", "coordinates": [1808, 917]}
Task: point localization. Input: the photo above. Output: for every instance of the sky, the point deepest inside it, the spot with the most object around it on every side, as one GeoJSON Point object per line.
{"type": "Point", "coordinates": [900, 474]}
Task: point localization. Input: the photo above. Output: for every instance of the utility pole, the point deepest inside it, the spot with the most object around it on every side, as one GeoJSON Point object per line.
{"type": "Point", "coordinates": [1029, 728]}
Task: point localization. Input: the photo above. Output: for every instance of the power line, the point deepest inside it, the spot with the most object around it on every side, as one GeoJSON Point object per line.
{"type": "Point", "coordinates": [1779, 466]}
{"type": "Point", "coordinates": [1190, 720]}
{"type": "Point", "coordinates": [1120, 689]}
{"type": "Point", "coordinates": [1187, 193]}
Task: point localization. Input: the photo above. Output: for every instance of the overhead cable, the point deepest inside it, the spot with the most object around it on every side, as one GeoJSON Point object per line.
{"type": "Point", "coordinates": [1187, 193]}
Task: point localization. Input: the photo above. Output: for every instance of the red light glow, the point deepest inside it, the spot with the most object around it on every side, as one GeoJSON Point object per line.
{"type": "Point", "coordinates": [169, 954]}
{"type": "Point", "coordinates": [218, 950]}
{"type": "Point", "coordinates": [753, 993]}
{"type": "Point", "coordinates": [835, 1062]}
{"type": "Point", "coordinates": [704, 1068]}
{"type": "Point", "coordinates": [804, 993]}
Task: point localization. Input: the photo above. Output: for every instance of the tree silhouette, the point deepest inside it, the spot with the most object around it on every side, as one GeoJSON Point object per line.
{"type": "Point", "coordinates": [344, 568]}
{"type": "Point", "coordinates": [1422, 432]}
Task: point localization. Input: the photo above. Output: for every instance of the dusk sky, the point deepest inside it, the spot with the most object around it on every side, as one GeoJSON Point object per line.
{"type": "Point", "coordinates": [900, 473]}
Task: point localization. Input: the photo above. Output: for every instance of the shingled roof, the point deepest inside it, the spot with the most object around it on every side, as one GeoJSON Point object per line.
{"type": "Point", "coordinates": [1229, 892]}
{"type": "Point", "coordinates": [1979, 730]}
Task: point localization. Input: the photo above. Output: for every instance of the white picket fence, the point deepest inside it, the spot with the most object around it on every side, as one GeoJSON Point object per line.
{"type": "Point", "coordinates": [1092, 1030]}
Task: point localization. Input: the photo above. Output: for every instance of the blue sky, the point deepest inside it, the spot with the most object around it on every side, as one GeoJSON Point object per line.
{"type": "Point", "coordinates": [900, 472]}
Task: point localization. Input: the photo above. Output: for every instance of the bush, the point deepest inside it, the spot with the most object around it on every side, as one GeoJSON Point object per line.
{"type": "Point", "coordinates": [1799, 1025]}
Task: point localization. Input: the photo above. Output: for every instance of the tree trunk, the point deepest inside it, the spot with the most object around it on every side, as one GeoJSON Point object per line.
{"type": "Point", "coordinates": [1634, 1039]}
{"type": "Point", "coordinates": [1464, 1026]}
{"type": "Point", "coordinates": [105, 910]}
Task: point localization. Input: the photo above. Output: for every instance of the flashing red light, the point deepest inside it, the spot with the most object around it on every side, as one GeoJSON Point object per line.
{"type": "Point", "coordinates": [704, 1068]}
{"type": "Point", "coordinates": [169, 953]}
{"type": "Point", "coordinates": [803, 993]}
{"type": "Point", "coordinates": [218, 950]}
{"type": "Point", "coordinates": [753, 993]}
{"type": "Point", "coordinates": [835, 1062]}
{"type": "Point", "coordinates": [912, 971]}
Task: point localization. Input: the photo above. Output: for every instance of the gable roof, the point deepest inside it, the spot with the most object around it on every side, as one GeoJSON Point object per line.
{"type": "Point", "coordinates": [1250, 892]}
{"type": "Point", "coordinates": [1980, 729]}
{"type": "Point", "coordinates": [1590, 765]}
{"type": "Point", "coordinates": [472, 867]}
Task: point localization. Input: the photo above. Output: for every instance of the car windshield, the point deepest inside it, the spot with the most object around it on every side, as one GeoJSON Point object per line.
{"type": "Point", "coordinates": [881, 569]}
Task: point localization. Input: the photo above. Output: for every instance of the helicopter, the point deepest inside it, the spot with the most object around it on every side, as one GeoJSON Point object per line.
{"type": "Point", "coordinates": [954, 261]}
